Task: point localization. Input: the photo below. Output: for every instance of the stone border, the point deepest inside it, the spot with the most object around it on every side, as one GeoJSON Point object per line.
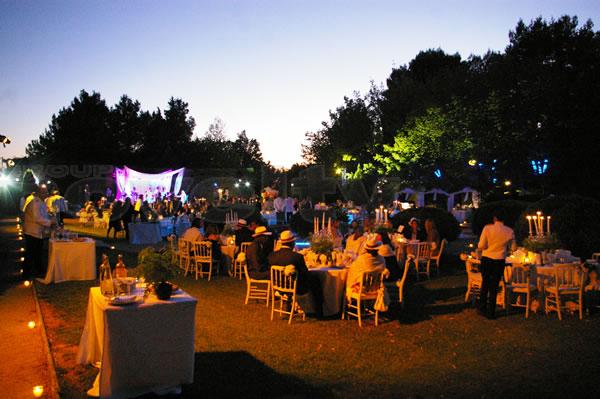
{"type": "Point", "coordinates": [53, 392]}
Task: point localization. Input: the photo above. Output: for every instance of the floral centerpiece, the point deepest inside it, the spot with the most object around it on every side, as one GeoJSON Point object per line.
{"type": "Point", "coordinates": [540, 244]}
{"type": "Point", "coordinates": [322, 246]}
{"type": "Point", "coordinates": [155, 266]}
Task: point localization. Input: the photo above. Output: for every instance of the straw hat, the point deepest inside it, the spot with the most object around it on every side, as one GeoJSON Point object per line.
{"type": "Point", "coordinates": [413, 220]}
{"type": "Point", "coordinates": [372, 244]}
{"type": "Point", "coordinates": [242, 222]}
{"type": "Point", "coordinates": [261, 230]}
{"type": "Point", "coordinates": [286, 237]}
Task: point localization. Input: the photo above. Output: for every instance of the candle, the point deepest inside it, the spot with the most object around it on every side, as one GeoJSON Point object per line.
{"type": "Point", "coordinates": [323, 224]}
{"type": "Point", "coordinates": [329, 225]}
{"type": "Point", "coordinates": [31, 324]}
{"type": "Point", "coordinates": [529, 221]}
{"type": "Point", "coordinates": [539, 221]}
{"type": "Point", "coordinates": [38, 391]}
{"type": "Point", "coordinates": [548, 219]}
{"type": "Point", "coordinates": [537, 227]}
{"type": "Point", "coordinates": [385, 213]}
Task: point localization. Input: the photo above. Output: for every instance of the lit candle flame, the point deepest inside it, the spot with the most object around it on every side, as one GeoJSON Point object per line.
{"type": "Point", "coordinates": [38, 391]}
{"type": "Point", "coordinates": [31, 324]}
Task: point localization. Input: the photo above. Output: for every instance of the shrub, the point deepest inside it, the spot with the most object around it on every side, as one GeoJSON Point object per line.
{"type": "Point", "coordinates": [446, 223]}
{"type": "Point", "coordinates": [484, 214]}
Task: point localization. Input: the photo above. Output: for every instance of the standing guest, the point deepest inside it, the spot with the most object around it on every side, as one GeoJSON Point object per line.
{"type": "Point", "coordinates": [137, 208]}
{"type": "Point", "coordinates": [114, 223]}
{"type": "Point", "coordinates": [242, 233]}
{"type": "Point", "coordinates": [494, 246]}
{"type": "Point", "coordinates": [258, 253]}
{"type": "Point", "coordinates": [56, 204]}
{"type": "Point", "coordinates": [369, 261]}
{"type": "Point", "coordinates": [289, 208]}
{"type": "Point", "coordinates": [109, 194]}
{"type": "Point", "coordinates": [36, 220]}
{"type": "Point", "coordinates": [127, 215]}
{"type": "Point", "coordinates": [433, 236]}
{"type": "Point", "coordinates": [306, 282]}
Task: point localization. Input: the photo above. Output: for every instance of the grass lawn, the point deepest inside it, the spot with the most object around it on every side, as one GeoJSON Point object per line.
{"type": "Point", "coordinates": [437, 346]}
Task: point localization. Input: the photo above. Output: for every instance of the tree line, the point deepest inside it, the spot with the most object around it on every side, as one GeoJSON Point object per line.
{"type": "Point", "coordinates": [523, 119]}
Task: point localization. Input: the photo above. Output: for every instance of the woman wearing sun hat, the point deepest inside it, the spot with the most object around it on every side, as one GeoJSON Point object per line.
{"type": "Point", "coordinates": [369, 261]}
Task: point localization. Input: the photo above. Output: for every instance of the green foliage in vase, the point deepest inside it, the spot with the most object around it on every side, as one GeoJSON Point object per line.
{"type": "Point", "coordinates": [539, 244]}
{"type": "Point", "coordinates": [155, 266]}
{"type": "Point", "coordinates": [321, 245]}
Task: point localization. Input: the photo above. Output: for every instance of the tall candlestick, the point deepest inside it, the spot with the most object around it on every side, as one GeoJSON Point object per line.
{"type": "Point", "coordinates": [537, 227]}
{"type": "Point", "coordinates": [385, 214]}
{"type": "Point", "coordinates": [529, 221]}
{"type": "Point", "coordinates": [542, 225]}
{"type": "Point", "coordinates": [323, 224]}
{"type": "Point", "coordinates": [548, 219]}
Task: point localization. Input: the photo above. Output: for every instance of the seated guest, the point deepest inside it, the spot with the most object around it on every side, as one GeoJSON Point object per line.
{"type": "Point", "coordinates": [212, 235]}
{"type": "Point", "coordinates": [258, 253]}
{"type": "Point", "coordinates": [355, 241]}
{"type": "Point", "coordinates": [306, 282]}
{"type": "Point", "coordinates": [242, 233]}
{"type": "Point", "coordinates": [413, 231]}
{"type": "Point", "coordinates": [369, 261]}
{"type": "Point", "coordinates": [386, 250]}
{"type": "Point", "coordinates": [194, 233]}
{"type": "Point", "coordinates": [433, 236]}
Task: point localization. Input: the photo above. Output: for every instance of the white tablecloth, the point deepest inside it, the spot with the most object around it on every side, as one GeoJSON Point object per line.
{"type": "Point", "coordinates": [146, 347]}
{"type": "Point", "coordinates": [166, 226]}
{"type": "Point", "coordinates": [71, 260]}
{"type": "Point", "coordinates": [333, 281]}
{"type": "Point", "coordinates": [144, 233]}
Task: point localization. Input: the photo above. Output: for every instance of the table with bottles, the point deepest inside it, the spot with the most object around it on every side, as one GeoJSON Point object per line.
{"type": "Point", "coordinates": [143, 345]}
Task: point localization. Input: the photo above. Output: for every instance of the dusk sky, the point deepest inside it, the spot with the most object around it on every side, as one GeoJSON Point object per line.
{"type": "Point", "coordinates": [272, 68]}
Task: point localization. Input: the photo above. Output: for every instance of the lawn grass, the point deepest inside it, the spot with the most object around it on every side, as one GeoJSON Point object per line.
{"type": "Point", "coordinates": [437, 346]}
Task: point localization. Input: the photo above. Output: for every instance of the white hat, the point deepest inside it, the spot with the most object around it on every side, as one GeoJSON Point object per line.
{"type": "Point", "coordinates": [372, 244]}
{"type": "Point", "coordinates": [261, 230]}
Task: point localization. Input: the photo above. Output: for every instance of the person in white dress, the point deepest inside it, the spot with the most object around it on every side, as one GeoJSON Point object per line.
{"type": "Point", "coordinates": [369, 261]}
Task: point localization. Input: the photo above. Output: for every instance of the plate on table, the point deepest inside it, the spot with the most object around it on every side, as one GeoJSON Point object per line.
{"type": "Point", "coordinates": [123, 300]}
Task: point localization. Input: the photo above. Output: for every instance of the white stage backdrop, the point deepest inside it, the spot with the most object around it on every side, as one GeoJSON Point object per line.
{"type": "Point", "coordinates": [131, 183]}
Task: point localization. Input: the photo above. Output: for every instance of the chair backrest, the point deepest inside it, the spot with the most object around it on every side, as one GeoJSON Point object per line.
{"type": "Point", "coordinates": [202, 251]}
{"type": "Point", "coordinates": [517, 275]}
{"type": "Point", "coordinates": [371, 282]}
{"type": "Point", "coordinates": [282, 282]}
{"type": "Point", "coordinates": [173, 244]}
{"type": "Point", "coordinates": [442, 247]}
{"type": "Point", "coordinates": [423, 250]}
{"type": "Point", "coordinates": [472, 267]}
{"type": "Point", "coordinates": [568, 275]}
{"type": "Point", "coordinates": [185, 247]}
{"type": "Point", "coordinates": [405, 273]}
{"type": "Point", "coordinates": [244, 247]}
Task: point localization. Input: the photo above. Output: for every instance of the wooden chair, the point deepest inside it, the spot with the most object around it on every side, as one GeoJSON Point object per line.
{"type": "Point", "coordinates": [400, 283]}
{"type": "Point", "coordinates": [173, 247]}
{"type": "Point", "coordinates": [184, 254]}
{"type": "Point", "coordinates": [435, 260]}
{"type": "Point", "coordinates": [240, 262]}
{"type": "Point", "coordinates": [474, 280]}
{"type": "Point", "coordinates": [202, 256]}
{"type": "Point", "coordinates": [422, 258]}
{"type": "Point", "coordinates": [569, 280]}
{"type": "Point", "coordinates": [283, 289]}
{"type": "Point", "coordinates": [517, 280]}
{"type": "Point", "coordinates": [357, 302]}
{"type": "Point", "coordinates": [256, 289]}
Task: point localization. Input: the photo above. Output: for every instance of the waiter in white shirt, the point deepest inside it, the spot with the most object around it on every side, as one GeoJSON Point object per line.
{"type": "Point", "coordinates": [36, 220]}
{"type": "Point", "coordinates": [494, 246]}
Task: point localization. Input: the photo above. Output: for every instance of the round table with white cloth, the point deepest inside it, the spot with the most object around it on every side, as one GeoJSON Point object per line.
{"type": "Point", "coordinates": [333, 282]}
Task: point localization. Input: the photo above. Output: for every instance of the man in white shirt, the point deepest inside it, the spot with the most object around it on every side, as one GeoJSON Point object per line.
{"type": "Point", "coordinates": [494, 245]}
{"type": "Point", "coordinates": [279, 205]}
{"type": "Point", "coordinates": [289, 208]}
{"type": "Point", "coordinates": [36, 220]}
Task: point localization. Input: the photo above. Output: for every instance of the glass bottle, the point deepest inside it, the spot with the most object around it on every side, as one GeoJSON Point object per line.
{"type": "Point", "coordinates": [120, 269]}
{"type": "Point", "coordinates": [106, 282]}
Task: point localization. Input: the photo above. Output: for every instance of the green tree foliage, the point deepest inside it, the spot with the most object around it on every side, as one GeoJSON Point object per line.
{"type": "Point", "coordinates": [87, 131]}
{"type": "Point", "coordinates": [428, 143]}
{"type": "Point", "coordinates": [536, 100]}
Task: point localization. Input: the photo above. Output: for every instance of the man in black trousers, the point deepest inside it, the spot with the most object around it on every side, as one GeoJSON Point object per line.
{"type": "Point", "coordinates": [494, 246]}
